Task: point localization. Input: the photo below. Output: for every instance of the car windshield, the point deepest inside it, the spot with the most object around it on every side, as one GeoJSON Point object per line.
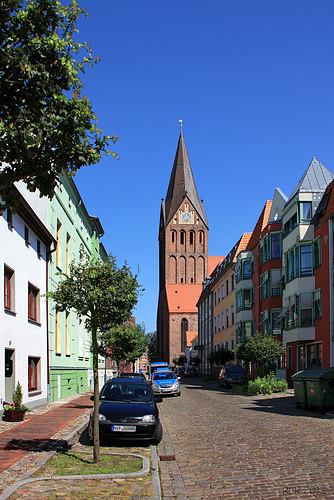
{"type": "Point", "coordinates": [164, 376]}
{"type": "Point", "coordinates": [132, 375]}
{"type": "Point", "coordinates": [127, 392]}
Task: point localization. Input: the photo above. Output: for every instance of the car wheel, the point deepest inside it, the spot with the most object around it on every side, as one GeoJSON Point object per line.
{"type": "Point", "coordinates": [158, 436]}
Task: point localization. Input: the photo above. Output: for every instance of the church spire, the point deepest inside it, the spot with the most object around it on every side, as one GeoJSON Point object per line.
{"type": "Point", "coordinates": [182, 184]}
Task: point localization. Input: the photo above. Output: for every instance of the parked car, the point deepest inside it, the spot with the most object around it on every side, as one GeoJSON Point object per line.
{"type": "Point", "coordinates": [189, 371]}
{"type": "Point", "coordinates": [141, 376]}
{"type": "Point", "coordinates": [230, 375]}
{"type": "Point", "coordinates": [128, 410]}
{"type": "Point", "coordinates": [165, 383]}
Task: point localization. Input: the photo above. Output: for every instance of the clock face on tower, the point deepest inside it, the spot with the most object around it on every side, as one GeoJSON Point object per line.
{"type": "Point", "coordinates": [186, 217]}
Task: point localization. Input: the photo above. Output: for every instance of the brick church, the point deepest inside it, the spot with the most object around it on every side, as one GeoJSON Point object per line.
{"type": "Point", "coordinates": [183, 258]}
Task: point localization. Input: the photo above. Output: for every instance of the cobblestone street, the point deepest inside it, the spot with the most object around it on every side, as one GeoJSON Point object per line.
{"type": "Point", "coordinates": [229, 446]}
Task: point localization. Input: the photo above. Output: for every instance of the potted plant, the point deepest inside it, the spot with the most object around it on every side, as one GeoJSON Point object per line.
{"type": "Point", "coordinates": [14, 412]}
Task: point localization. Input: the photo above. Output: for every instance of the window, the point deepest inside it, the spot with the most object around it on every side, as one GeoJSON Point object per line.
{"type": "Point", "coordinates": [232, 344]}
{"type": "Point", "coordinates": [317, 252]}
{"type": "Point", "coordinates": [222, 321]}
{"type": "Point", "coordinates": [68, 237]}
{"type": "Point", "coordinates": [9, 289]}
{"type": "Point", "coordinates": [33, 303]}
{"type": "Point", "coordinates": [184, 329]}
{"type": "Point", "coordinates": [305, 211]}
{"type": "Point", "coordinates": [218, 322]}
{"type": "Point", "coordinates": [275, 245]}
{"type": "Point", "coordinates": [191, 237]}
{"type": "Point", "coordinates": [317, 306]}
{"type": "Point", "coordinates": [58, 251]}
{"type": "Point", "coordinates": [244, 299]}
{"type": "Point", "coordinates": [232, 282]}
{"type": "Point", "coordinates": [182, 233]}
{"type": "Point", "coordinates": [215, 324]}
{"type": "Point", "coordinates": [306, 268]}
{"type": "Point", "coordinates": [222, 291]}
{"type": "Point", "coordinates": [9, 218]}
{"type": "Point", "coordinates": [276, 322]}
{"type": "Point", "coordinates": [232, 314]}
{"type": "Point", "coordinates": [226, 345]}
{"type": "Point", "coordinates": [226, 287]}
{"type": "Point", "coordinates": [314, 355]}
{"type": "Point", "coordinates": [290, 225]}
{"type": "Point", "coordinates": [38, 248]}
{"type": "Point", "coordinates": [305, 305]}
{"type": "Point", "coordinates": [33, 373]}
{"type": "Point", "coordinates": [26, 235]}
{"type": "Point", "coordinates": [215, 298]}
{"type": "Point", "coordinates": [226, 318]}
{"type": "Point", "coordinates": [218, 295]}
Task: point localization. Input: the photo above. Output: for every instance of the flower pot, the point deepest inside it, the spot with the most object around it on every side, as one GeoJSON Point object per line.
{"type": "Point", "coordinates": [13, 415]}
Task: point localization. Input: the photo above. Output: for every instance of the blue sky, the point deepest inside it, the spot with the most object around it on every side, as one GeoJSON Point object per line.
{"type": "Point", "coordinates": [253, 82]}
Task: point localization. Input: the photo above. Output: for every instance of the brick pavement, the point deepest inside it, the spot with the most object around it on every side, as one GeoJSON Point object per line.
{"type": "Point", "coordinates": [233, 446]}
{"type": "Point", "coordinates": [35, 432]}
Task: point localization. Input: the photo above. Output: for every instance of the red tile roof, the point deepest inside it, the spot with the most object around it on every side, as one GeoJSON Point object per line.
{"type": "Point", "coordinates": [183, 298]}
{"type": "Point", "coordinates": [260, 225]}
{"type": "Point", "coordinates": [213, 261]}
{"type": "Point", "coordinates": [190, 337]}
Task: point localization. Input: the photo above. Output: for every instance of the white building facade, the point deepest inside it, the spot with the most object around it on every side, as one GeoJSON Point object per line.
{"type": "Point", "coordinates": [24, 246]}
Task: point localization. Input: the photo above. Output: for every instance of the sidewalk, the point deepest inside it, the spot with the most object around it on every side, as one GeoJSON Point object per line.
{"type": "Point", "coordinates": [26, 446]}
{"type": "Point", "coordinates": [45, 429]}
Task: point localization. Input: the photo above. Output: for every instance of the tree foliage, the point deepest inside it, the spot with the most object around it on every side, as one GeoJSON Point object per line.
{"type": "Point", "coordinates": [124, 342]}
{"type": "Point", "coordinates": [152, 344]}
{"type": "Point", "coordinates": [220, 357]}
{"type": "Point", "coordinates": [46, 123]}
{"type": "Point", "coordinates": [260, 349]}
{"type": "Point", "coordinates": [104, 296]}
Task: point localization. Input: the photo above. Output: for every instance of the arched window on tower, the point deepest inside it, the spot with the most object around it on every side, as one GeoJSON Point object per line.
{"type": "Point", "coordinates": [191, 240]}
{"type": "Point", "coordinates": [182, 237]}
{"type": "Point", "coordinates": [201, 241]}
{"type": "Point", "coordinates": [184, 329]}
{"type": "Point", "coordinates": [182, 270]}
{"type": "Point", "coordinates": [173, 240]}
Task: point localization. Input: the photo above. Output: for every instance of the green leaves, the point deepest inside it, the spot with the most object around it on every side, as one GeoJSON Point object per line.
{"type": "Point", "coordinates": [41, 95]}
{"type": "Point", "coordinates": [260, 349]}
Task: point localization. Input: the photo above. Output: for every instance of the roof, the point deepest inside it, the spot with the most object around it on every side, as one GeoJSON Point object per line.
{"type": "Point", "coordinates": [260, 225]}
{"type": "Point", "coordinates": [190, 337]}
{"type": "Point", "coordinates": [315, 179]}
{"type": "Point", "coordinates": [183, 298]}
{"type": "Point", "coordinates": [181, 184]}
{"type": "Point", "coordinates": [213, 261]}
{"type": "Point", "coordinates": [325, 208]}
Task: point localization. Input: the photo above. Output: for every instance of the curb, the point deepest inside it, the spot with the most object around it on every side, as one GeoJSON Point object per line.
{"type": "Point", "coordinates": [145, 470]}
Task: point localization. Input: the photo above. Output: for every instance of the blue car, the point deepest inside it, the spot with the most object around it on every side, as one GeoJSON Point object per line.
{"type": "Point", "coordinates": [165, 383]}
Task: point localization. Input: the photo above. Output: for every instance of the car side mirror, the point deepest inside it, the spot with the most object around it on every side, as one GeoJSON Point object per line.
{"type": "Point", "coordinates": [92, 398]}
{"type": "Point", "coordinates": [158, 399]}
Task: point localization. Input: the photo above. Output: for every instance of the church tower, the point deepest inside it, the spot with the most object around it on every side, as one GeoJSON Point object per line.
{"type": "Point", "coordinates": [183, 258]}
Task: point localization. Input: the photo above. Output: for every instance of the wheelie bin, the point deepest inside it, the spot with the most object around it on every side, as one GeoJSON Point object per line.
{"type": "Point", "coordinates": [314, 388]}
{"type": "Point", "coordinates": [299, 388]}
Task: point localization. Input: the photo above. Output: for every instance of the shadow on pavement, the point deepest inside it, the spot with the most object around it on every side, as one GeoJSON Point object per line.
{"type": "Point", "coordinates": [284, 405]}
{"type": "Point", "coordinates": [36, 445]}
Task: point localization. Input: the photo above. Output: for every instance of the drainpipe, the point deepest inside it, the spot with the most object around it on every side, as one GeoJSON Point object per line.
{"type": "Point", "coordinates": [48, 259]}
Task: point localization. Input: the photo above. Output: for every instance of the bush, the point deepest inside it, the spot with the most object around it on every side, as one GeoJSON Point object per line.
{"type": "Point", "coordinates": [267, 385]}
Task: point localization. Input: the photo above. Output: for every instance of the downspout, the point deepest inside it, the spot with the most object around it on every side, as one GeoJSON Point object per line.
{"type": "Point", "coordinates": [48, 258]}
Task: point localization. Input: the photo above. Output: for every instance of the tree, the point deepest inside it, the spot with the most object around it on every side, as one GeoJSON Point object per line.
{"type": "Point", "coordinates": [152, 344]}
{"type": "Point", "coordinates": [260, 349]}
{"type": "Point", "coordinates": [220, 357]}
{"type": "Point", "coordinates": [46, 123]}
{"type": "Point", "coordinates": [104, 295]}
{"type": "Point", "coordinates": [124, 342]}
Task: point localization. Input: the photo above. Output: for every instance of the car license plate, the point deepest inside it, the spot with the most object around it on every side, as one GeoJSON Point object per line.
{"type": "Point", "coordinates": [123, 428]}
{"type": "Point", "coordinates": [166, 390]}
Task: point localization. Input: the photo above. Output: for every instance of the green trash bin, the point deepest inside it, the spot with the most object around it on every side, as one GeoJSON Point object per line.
{"type": "Point", "coordinates": [299, 388]}
{"type": "Point", "coordinates": [318, 388]}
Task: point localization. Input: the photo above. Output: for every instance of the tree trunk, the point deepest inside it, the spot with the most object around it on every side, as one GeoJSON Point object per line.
{"type": "Point", "coordinates": [96, 452]}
